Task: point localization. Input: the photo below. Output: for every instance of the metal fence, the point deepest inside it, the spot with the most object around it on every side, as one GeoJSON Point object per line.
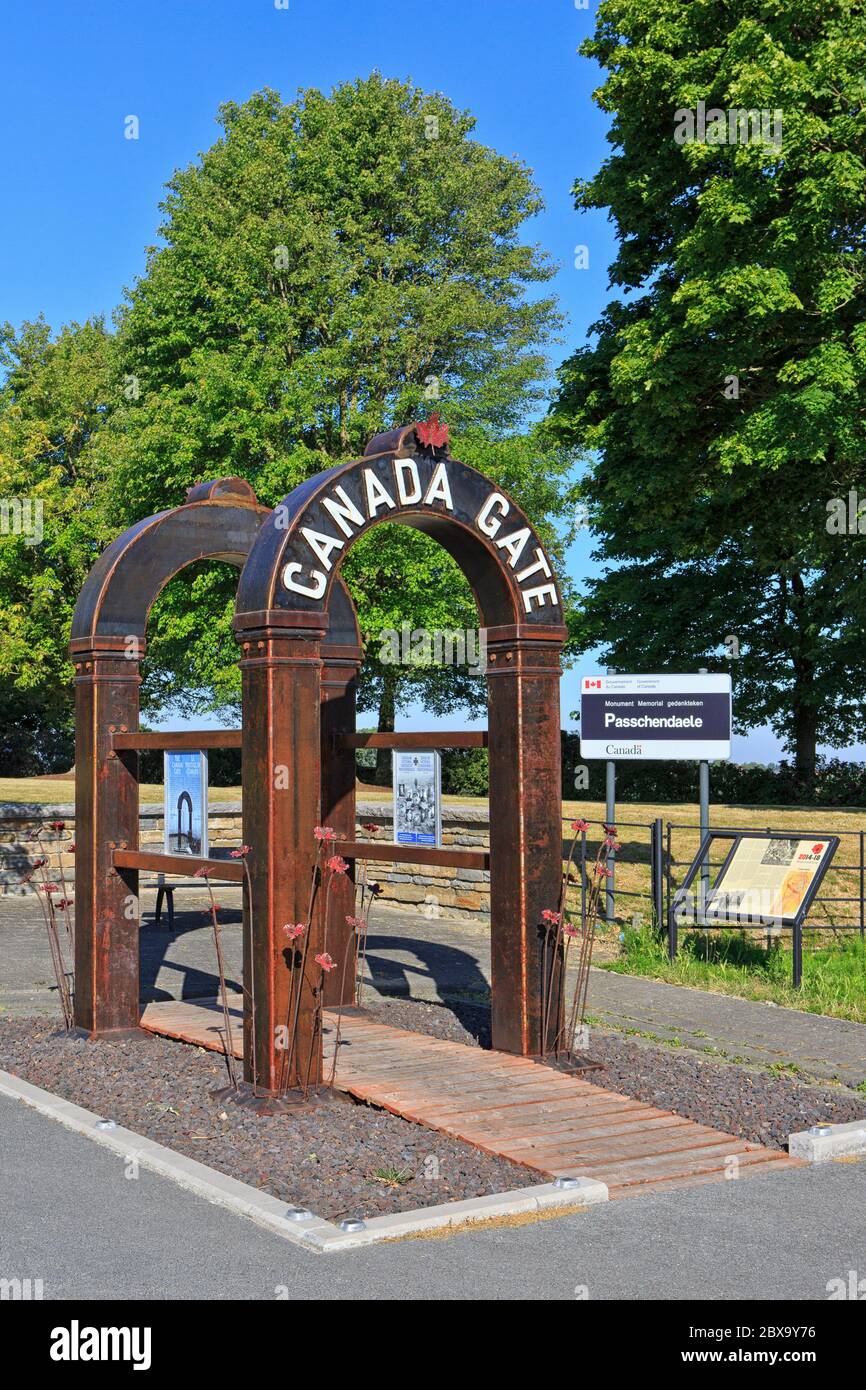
{"type": "Point", "coordinates": [648, 869]}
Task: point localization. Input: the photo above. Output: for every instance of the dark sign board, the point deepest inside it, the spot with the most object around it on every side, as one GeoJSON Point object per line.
{"type": "Point", "coordinates": [624, 718]}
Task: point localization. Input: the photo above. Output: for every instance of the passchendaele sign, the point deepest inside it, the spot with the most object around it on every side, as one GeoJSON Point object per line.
{"type": "Point", "coordinates": [624, 718]}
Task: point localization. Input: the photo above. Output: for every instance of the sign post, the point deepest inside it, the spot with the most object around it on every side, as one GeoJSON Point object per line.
{"type": "Point", "coordinates": [704, 800]}
{"type": "Point", "coordinates": [610, 817]}
{"type": "Point", "coordinates": [704, 809]}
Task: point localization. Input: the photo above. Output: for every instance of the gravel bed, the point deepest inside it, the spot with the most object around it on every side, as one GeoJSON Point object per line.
{"type": "Point", "coordinates": [325, 1159]}
{"type": "Point", "coordinates": [757, 1105]}
{"type": "Point", "coordinates": [454, 1022]}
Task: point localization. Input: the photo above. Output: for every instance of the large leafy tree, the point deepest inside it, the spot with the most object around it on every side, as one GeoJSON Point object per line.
{"type": "Point", "coordinates": [329, 268]}
{"type": "Point", "coordinates": [53, 399]}
{"type": "Point", "coordinates": [722, 400]}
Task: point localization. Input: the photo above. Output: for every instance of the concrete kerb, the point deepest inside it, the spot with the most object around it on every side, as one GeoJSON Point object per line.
{"type": "Point", "coordinates": [824, 1142]}
{"type": "Point", "coordinates": [311, 1232]}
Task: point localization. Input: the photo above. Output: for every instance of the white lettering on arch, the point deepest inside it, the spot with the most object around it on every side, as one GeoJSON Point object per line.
{"type": "Point", "coordinates": [515, 544]}
{"type": "Point", "coordinates": [377, 495]}
{"type": "Point", "coordinates": [440, 488]}
{"type": "Point", "coordinates": [401, 467]}
{"type": "Point", "coordinates": [321, 545]}
{"type": "Point", "coordinates": [485, 521]}
{"type": "Point", "coordinates": [319, 581]}
{"type": "Point", "coordinates": [343, 511]}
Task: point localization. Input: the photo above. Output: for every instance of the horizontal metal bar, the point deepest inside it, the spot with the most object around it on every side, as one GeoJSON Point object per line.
{"type": "Point", "coordinates": [180, 739]}
{"type": "Point", "coordinates": [186, 865]}
{"type": "Point", "coordinates": [798, 834]}
{"type": "Point", "coordinates": [384, 852]}
{"type": "Point", "coordinates": [468, 738]}
{"type": "Point", "coordinates": [762, 926]}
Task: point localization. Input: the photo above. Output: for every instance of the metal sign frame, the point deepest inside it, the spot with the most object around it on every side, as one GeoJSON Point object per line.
{"type": "Point", "coordinates": [168, 811]}
{"type": "Point", "coordinates": [705, 918]}
{"type": "Point", "coordinates": [406, 837]}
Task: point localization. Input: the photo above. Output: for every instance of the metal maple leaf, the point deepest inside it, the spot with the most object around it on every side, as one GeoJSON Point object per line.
{"type": "Point", "coordinates": [432, 433]}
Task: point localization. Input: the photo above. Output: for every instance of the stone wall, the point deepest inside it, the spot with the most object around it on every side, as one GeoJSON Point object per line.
{"type": "Point", "coordinates": [430, 890]}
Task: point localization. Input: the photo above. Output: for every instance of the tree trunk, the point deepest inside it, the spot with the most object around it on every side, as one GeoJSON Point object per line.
{"type": "Point", "coordinates": [805, 746]}
{"type": "Point", "coordinates": [387, 712]}
{"type": "Point", "coordinates": [805, 720]}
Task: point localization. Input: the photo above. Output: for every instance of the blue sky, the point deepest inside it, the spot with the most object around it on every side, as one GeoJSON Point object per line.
{"type": "Point", "coordinates": [80, 201]}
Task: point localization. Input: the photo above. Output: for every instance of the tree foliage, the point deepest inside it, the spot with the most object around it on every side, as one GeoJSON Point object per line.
{"type": "Point", "coordinates": [722, 402]}
{"type": "Point", "coordinates": [329, 270]}
{"type": "Point", "coordinates": [52, 402]}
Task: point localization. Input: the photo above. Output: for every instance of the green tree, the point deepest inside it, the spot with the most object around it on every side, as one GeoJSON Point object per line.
{"type": "Point", "coordinates": [721, 403]}
{"type": "Point", "coordinates": [329, 268]}
{"type": "Point", "coordinates": [54, 396]}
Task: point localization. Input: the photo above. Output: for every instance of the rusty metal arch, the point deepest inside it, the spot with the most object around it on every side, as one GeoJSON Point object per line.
{"type": "Point", "coordinates": [219, 521]}
{"type": "Point", "coordinates": [500, 597]}
{"type": "Point", "coordinates": [281, 622]}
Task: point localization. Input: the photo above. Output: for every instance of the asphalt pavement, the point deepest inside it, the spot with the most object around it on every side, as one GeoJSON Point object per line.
{"type": "Point", "coordinates": [70, 1217]}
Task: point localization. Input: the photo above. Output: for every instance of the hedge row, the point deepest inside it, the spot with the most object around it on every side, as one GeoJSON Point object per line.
{"type": "Point", "coordinates": [836, 783]}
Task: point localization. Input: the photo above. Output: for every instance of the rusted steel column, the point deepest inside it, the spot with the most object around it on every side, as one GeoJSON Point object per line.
{"type": "Point", "coordinates": [339, 680]}
{"type": "Point", "coordinates": [523, 669]}
{"type": "Point", "coordinates": [106, 817]}
{"type": "Point", "coordinates": [281, 673]}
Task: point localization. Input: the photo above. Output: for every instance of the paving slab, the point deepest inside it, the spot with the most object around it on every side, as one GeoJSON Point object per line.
{"type": "Point", "coordinates": [827, 1048]}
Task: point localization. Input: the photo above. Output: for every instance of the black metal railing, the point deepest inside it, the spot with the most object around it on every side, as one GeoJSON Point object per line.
{"type": "Point", "coordinates": [654, 845]}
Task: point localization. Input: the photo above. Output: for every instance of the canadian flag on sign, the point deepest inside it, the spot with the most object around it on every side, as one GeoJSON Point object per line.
{"type": "Point", "coordinates": [592, 684]}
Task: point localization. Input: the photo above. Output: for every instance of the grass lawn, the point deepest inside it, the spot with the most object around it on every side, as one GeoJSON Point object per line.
{"type": "Point", "coordinates": [735, 962]}
{"type": "Point", "coordinates": [633, 860]}
{"type": "Point", "coordinates": [51, 790]}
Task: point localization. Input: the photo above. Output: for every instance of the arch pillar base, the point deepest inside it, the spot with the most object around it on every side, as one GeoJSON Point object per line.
{"type": "Point", "coordinates": [523, 670]}
{"type": "Point", "coordinates": [281, 671]}
{"type": "Point", "coordinates": [107, 909]}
